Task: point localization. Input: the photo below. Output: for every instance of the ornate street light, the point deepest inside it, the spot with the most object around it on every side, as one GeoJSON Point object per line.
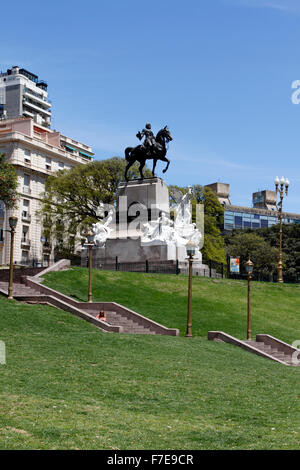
{"type": "Point", "coordinates": [190, 250]}
{"type": "Point", "coordinates": [12, 223]}
{"type": "Point", "coordinates": [281, 186]}
{"type": "Point", "coordinates": [90, 238]}
{"type": "Point", "coordinates": [249, 270]}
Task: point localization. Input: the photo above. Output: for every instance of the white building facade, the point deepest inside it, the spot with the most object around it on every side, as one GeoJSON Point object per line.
{"type": "Point", "coordinates": [36, 152]}
{"type": "Point", "coordinates": [22, 94]}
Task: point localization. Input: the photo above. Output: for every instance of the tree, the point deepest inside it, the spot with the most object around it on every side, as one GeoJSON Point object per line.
{"type": "Point", "coordinates": [249, 244]}
{"type": "Point", "coordinates": [72, 197]}
{"type": "Point", "coordinates": [78, 193]}
{"type": "Point", "coordinates": [290, 245]}
{"type": "Point", "coordinates": [8, 183]}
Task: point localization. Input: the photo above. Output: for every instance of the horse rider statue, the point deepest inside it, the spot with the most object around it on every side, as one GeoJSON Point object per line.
{"type": "Point", "coordinates": [153, 148]}
{"type": "Point", "coordinates": [149, 143]}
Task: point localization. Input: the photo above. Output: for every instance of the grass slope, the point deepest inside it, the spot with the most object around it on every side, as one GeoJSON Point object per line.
{"type": "Point", "coordinates": [218, 304]}
{"type": "Point", "coordinates": [67, 385]}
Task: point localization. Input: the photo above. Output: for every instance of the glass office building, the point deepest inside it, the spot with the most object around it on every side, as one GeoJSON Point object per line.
{"type": "Point", "coordinates": [236, 217]}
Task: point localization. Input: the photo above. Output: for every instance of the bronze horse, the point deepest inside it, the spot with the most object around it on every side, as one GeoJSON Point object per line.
{"type": "Point", "coordinates": [141, 154]}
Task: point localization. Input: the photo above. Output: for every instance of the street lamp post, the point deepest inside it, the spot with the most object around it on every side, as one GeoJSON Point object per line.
{"type": "Point", "coordinates": [249, 270]}
{"type": "Point", "coordinates": [190, 249]}
{"type": "Point", "coordinates": [90, 244]}
{"type": "Point", "coordinates": [281, 186]}
{"type": "Point", "coordinates": [12, 223]}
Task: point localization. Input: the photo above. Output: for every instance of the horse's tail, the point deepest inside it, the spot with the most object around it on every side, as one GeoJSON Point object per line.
{"type": "Point", "coordinates": [128, 153]}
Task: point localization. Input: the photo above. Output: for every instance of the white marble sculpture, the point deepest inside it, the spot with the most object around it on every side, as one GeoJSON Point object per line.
{"type": "Point", "coordinates": [183, 209]}
{"type": "Point", "coordinates": [179, 232]}
{"type": "Point", "coordinates": [160, 231]}
{"type": "Point", "coordinates": [103, 230]}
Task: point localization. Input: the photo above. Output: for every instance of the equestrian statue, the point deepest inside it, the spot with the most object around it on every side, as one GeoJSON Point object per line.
{"type": "Point", "coordinates": [153, 148]}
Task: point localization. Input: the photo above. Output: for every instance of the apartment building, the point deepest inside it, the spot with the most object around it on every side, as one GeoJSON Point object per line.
{"type": "Point", "coordinates": [36, 152]}
{"type": "Point", "coordinates": [22, 94]}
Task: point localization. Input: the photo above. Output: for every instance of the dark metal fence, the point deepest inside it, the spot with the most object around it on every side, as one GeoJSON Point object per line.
{"type": "Point", "coordinates": [156, 267]}
{"type": "Point", "coordinates": [140, 267]}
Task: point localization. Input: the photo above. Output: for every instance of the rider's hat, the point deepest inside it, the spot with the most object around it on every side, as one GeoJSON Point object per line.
{"type": "Point", "coordinates": [148, 125]}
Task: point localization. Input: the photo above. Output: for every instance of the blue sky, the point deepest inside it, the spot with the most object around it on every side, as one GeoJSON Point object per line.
{"type": "Point", "coordinates": [217, 72]}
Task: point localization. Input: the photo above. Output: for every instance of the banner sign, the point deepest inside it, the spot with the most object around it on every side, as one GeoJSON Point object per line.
{"type": "Point", "coordinates": [235, 265]}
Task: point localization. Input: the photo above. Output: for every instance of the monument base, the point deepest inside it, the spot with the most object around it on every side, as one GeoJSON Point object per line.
{"type": "Point", "coordinates": [141, 229]}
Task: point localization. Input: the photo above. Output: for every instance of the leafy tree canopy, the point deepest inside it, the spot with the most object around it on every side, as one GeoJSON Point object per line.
{"type": "Point", "coordinates": [72, 199]}
{"type": "Point", "coordinates": [8, 183]}
{"type": "Point", "coordinates": [290, 246]}
{"type": "Point", "coordinates": [249, 244]}
{"type": "Point", "coordinates": [77, 193]}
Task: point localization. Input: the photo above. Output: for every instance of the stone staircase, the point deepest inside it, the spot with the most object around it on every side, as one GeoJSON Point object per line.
{"type": "Point", "coordinates": [128, 325]}
{"type": "Point", "coordinates": [265, 345]}
{"type": "Point", "coordinates": [118, 320]}
{"type": "Point", "coordinates": [18, 289]}
{"type": "Point", "coordinates": [272, 351]}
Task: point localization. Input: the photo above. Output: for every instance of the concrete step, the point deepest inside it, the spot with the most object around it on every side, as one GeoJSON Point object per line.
{"type": "Point", "coordinates": [129, 325]}
{"type": "Point", "coordinates": [269, 350]}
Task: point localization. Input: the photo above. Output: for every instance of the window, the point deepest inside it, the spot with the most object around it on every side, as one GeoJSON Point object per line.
{"type": "Point", "coordinates": [48, 164]}
{"type": "Point", "coordinates": [26, 187]}
{"type": "Point", "coordinates": [1, 235]}
{"type": "Point", "coordinates": [264, 223]}
{"type": "Point", "coordinates": [61, 165]}
{"type": "Point", "coordinates": [238, 221]}
{"type": "Point", "coordinates": [25, 212]}
{"type": "Point", "coordinates": [24, 233]}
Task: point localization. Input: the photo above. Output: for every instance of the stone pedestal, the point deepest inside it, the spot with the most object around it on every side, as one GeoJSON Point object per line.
{"type": "Point", "coordinates": [149, 197]}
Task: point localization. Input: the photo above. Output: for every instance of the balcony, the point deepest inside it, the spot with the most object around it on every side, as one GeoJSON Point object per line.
{"type": "Point", "coordinates": [26, 217]}
{"type": "Point", "coordinates": [28, 113]}
{"type": "Point", "coordinates": [28, 103]}
{"type": "Point", "coordinates": [25, 244]}
{"type": "Point", "coordinates": [39, 98]}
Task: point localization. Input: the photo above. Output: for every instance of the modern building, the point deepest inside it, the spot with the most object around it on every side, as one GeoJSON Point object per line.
{"type": "Point", "coordinates": [262, 214]}
{"type": "Point", "coordinates": [22, 94]}
{"type": "Point", "coordinates": [36, 152]}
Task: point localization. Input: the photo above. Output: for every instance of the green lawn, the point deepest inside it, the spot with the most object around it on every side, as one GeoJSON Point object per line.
{"type": "Point", "coordinates": [66, 385]}
{"type": "Point", "coordinates": [218, 304]}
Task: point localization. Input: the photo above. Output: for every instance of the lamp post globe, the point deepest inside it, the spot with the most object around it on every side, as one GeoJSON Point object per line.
{"type": "Point", "coordinates": [249, 266]}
